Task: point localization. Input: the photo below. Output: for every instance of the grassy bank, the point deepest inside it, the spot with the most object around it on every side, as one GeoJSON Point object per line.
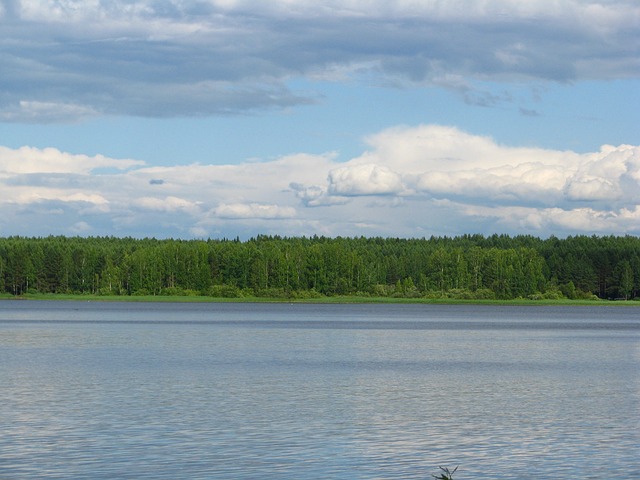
{"type": "Point", "coordinates": [317, 300]}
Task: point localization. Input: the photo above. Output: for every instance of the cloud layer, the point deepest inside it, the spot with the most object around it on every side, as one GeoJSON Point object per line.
{"type": "Point", "coordinates": [411, 181]}
{"type": "Point", "coordinates": [64, 60]}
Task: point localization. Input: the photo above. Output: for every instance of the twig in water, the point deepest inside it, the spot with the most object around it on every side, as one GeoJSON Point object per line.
{"type": "Point", "coordinates": [446, 474]}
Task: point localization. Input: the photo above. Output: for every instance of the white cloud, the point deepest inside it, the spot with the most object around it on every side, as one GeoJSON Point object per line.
{"type": "Point", "coordinates": [315, 195]}
{"type": "Point", "coordinates": [367, 179]}
{"type": "Point", "coordinates": [591, 189]}
{"type": "Point", "coordinates": [253, 211]}
{"type": "Point", "coordinates": [529, 183]}
{"type": "Point", "coordinates": [167, 204]}
{"type": "Point", "coordinates": [517, 188]}
{"type": "Point", "coordinates": [81, 228]}
{"type": "Point", "coordinates": [609, 175]}
{"type": "Point", "coordinates": [84, 197]}
{"type": "Point", "coordinates": [26, 160]}
{"type": "Point", "coordinates": [25, 195]}
{"type": "Point", "coordinates": [411, 181]}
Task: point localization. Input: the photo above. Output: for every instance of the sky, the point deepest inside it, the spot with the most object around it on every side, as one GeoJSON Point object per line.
{"type": "Point", "coordinates": [234, 118]}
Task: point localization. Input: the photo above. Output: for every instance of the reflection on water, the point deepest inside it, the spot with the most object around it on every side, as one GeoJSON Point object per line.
{"type": "Point", "coordinates": [318, 391]}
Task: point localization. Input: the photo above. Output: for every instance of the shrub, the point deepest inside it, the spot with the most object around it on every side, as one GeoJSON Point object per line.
{"type": "Point", "coordinates": [225, 291]}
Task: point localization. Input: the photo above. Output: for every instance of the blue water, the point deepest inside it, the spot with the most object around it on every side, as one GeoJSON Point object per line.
{"type": "Point", "coordinates": [278, 391]}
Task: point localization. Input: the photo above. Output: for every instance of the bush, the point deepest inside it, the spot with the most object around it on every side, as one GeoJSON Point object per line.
{"type": "Point", "coordinates": [225, 291]}
{"type": "Point", "coordinates": [553, 293]}
{"type": "Point", "coordinates": [484, 294]}
{"type": "Point", "coordinates": [273, 293]}
{"type": "Point", "coordinates": [460, 294]}
{"type": "Point", "coordinates": [173, 291]}
{"type": "Point", "coordinates": [381, 290]}
{"type": "Point", "coordinates": [304, 294]}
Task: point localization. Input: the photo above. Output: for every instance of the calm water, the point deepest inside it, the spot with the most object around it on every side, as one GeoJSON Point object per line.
{"type": "Point", "coordinates": [244, 391]}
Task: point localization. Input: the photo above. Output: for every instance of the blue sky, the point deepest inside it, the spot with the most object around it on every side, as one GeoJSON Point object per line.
{"type": "Point", "coordinates": [225, 118]}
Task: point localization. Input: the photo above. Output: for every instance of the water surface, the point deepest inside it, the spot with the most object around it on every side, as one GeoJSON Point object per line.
{"type": "Point", "coordinates": [243, 391]}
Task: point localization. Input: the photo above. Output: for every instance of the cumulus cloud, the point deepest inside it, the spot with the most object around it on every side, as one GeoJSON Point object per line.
{"type": "Point", "coordinates": [67, 60]}
{"type": "Point", "coordinates": [253, 211]}
{"type": "Point", "coordinates": [410, 181]}
{"type": "Point", "coordinates": [610, 176]}
{"type": "Point", "coordinates": [166, 204]}
{"type": "Point", "coordinates": [367, 179]}
{"type": "Point", "coordinates": [473, 177]}
{"type": "Point", "coordinates": [315, 195]}
{"type": "Point", "coordinates": [26, 160]}
{"type": "Point", "coordinates": [81, 228]}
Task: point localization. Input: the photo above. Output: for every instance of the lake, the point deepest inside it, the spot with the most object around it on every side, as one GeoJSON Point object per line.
{"type": "Point", "coordinates": [279, 391]}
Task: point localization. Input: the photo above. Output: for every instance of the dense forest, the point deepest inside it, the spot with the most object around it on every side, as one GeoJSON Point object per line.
{"type": "Point", "coordinates": [469, 266]}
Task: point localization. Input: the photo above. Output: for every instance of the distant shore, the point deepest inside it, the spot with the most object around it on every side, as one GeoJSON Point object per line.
{"type": "Point", "coordinates": [317, 300]}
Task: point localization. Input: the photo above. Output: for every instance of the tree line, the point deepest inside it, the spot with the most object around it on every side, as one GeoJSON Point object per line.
{"type": "Point", "coordinates": [468, 266]}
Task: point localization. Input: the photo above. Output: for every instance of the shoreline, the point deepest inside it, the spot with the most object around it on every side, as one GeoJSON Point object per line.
{"type": "Point", "coordinates": [319, 300]}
